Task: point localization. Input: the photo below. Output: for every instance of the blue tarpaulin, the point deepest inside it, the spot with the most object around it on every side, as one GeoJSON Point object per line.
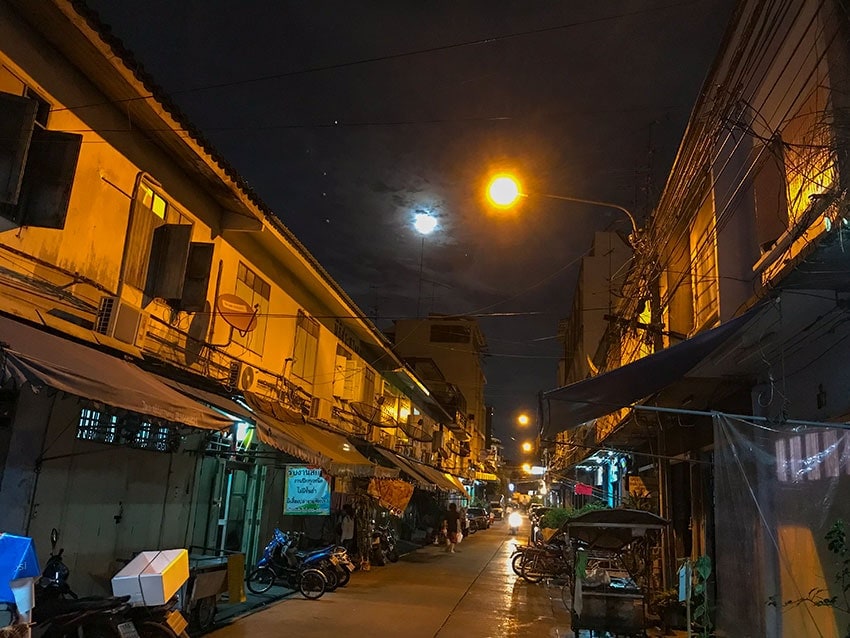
{"type": "Point", "coordinates": [17, 560]}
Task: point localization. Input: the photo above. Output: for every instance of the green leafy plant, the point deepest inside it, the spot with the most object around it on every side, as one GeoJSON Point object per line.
{"type": "Point", "coordinates": [557, 516]}
{"type": "Point", "coordinates": [700, 609]}
{"type": "Point", "coordinates": [836, 542]}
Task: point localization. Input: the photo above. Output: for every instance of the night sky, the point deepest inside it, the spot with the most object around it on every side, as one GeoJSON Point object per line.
{"type": "Point", "coordinates": [347, 118]}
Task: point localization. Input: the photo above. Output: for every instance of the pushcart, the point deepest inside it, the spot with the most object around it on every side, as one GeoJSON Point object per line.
{"type": "Point", "coordinates": [612, 554]}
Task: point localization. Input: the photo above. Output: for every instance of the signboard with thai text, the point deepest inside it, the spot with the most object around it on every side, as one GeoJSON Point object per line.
{"type": "Point", "coordinates": [307, 491]}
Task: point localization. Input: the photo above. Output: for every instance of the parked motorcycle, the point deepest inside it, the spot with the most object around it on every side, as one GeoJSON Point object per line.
{"type": "Point", "coordinates": [274, 566]}
{"type": "Point", "coordinates": [383, 547]}
{"type": "Point", "coordinates": [333, 560]}
{"type": "Point", "coordinates": [60, 613]}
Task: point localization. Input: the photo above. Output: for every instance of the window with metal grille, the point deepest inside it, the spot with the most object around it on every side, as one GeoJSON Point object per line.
{"type": "Point", "coordinates": [131, 430]}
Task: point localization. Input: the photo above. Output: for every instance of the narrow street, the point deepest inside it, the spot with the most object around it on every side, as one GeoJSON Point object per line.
{"type": "Point", "coordinates": [429, 593]}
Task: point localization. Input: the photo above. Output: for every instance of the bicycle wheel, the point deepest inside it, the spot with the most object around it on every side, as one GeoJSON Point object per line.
{"type": "Point", "coordinates": [261, 580]}
{"type": "Point", "coordinates": [567, 596]}
{"type": "Point", "coordinates": [311, 583]}
{"type": "Point", "coordinates": [533, 568]}
{"type": "Point", "coordinates": [516, 563]}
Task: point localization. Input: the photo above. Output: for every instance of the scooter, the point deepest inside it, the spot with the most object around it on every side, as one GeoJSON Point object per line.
{"type": "Point", "coordinates": [274, 566]}
{"type": "Point", "coordinates": [383, 546]}
{"type": "Point", "coordinates": [332, 560]}
{"type": "Point", "coordinates": [514, 521]}
{"type": "Point", "coordinates": [60, 613]}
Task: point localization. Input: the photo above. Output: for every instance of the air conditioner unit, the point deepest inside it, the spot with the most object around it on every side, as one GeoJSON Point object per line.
{"type": "Point", "coordinates": [120, 320]}
{"type": "Point", "coordinates": [242, 376]}
{"type": "Point", "coordinates": [320, 409]}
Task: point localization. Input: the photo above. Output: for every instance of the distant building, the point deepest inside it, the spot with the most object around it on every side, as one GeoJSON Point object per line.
{"type": "Point", "coordinates": [446, 352]}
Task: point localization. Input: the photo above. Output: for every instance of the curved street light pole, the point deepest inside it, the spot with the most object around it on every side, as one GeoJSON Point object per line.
{"type": "Point", "coordinates": [504, 190]}
{"type": "Point", "coordinates": [596, 203]}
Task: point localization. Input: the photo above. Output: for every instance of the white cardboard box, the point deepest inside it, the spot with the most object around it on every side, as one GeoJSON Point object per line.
{"type": "Point", "coordinates": [152, 578]}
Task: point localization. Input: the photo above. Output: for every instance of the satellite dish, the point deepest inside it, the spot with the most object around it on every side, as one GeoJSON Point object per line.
{"type": "Point", "coordinates": [415, 431]}
{"type": "Point", "coordinates": [365, 411]}
{"type": "Point", "coordinates": [237, 312]}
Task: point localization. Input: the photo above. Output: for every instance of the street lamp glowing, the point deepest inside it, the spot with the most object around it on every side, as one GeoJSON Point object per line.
{"type": "Point", "coordinates": [526, 467]}
{"type": "Point", "coordinates": [424, 223]}
{"type": "Point", "coordinates": [503, 191]}
{"type": "Point", "coordinates": [526, 447]}
{"type": "Point", "coordinates": [523, 419]}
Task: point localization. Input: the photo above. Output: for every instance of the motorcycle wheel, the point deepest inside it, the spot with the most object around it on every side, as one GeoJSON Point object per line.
{"type": "Point", "coordinates": [378, 558]}
{"type": "Point", "coordinates": [261, 580]}
{"type": "Point", "coordinates": [312, 584]}
{"type": "Point", "coordinates": [151, 629]}
{"type": "Point", "coordinates": [392, 555]}
{"type": "Point", "coordinates": [328, 569]}
{"type": "Point", "coordinates": [343, 577]}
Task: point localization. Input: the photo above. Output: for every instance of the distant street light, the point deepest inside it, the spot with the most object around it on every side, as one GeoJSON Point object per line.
{"type": "Point", "coordinates": [504, 191]}
{"type": "Point", "coordinates": [527, 446]}
{"type": "Point", "coordinates": [523, 419]}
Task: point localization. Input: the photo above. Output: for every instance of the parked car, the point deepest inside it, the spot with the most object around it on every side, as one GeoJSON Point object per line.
{"type": "Point", "coordinates": [477, 518]}
{"type": "Point", "coordinates": [496, 510]}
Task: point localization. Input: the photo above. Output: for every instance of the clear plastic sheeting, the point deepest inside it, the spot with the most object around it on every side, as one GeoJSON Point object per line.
{"type": "Point", "coordinates": [778, 491]}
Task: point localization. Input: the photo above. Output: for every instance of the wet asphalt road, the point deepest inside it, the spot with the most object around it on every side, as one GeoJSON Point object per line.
{"type": "Point", "coordinates": [429, 593]}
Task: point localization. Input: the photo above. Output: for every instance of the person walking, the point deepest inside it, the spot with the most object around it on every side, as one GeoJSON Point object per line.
{"type": "Point", "coordinates": [346, 529]}
{"type": "Point", "coordinates": [451, 523]}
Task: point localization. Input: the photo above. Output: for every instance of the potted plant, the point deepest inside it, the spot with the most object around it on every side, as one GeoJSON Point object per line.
{"type": "Point", "coordinates": [666, 605]}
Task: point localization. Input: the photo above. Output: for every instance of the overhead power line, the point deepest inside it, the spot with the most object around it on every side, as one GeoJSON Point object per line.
{"type": "Point", "coordinates": [402, 54]}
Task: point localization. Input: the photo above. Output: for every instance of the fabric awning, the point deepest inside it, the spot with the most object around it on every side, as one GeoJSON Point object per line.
{"type": "Point", "coordinates": [438, 478]}
{"type": "Point", "coordinates": [319, 447]}
{"type": "Point", "coordinates": [39, 358]}
{"type": "Point", "coordinates": [405, 467]}
{"type": "Point", "coordinates": [211, 399]}
{"type": "Point", "coordinates": [577, 403]}
{"type": "Point", "coordinates": [457, 483]}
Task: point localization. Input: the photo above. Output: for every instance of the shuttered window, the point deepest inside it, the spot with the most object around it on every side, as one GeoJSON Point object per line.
{"type": "Point", "coordinates": [306, 347]}
{"type": "Point", "coordinates": [704, 266]}
{"type": "Point", "coordinates": [257, 292]}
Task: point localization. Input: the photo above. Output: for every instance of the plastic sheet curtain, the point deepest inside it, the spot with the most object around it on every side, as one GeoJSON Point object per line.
{"type": "Point", "coordinates": [778, 491]}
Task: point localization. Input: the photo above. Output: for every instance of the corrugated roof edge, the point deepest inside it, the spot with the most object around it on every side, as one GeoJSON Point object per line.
{"type": "Point", "coordinates": [129, 59]}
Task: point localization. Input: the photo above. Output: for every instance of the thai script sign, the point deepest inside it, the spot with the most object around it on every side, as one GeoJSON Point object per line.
{"type": "Point", "coordinates": [306, 492]}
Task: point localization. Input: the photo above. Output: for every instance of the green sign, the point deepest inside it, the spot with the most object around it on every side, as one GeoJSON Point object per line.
{"type": "Point", "coordinates": [307, 491]}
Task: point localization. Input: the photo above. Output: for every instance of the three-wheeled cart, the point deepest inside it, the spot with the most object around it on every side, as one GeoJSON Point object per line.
{"type": "Point", "coordinates": [611, 552]}
{"type": "Point", "coordinates": [207, 581]}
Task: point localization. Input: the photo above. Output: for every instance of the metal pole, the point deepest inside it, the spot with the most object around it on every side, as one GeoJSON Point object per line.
{"type": "Point", "coordinates": [419, 294]}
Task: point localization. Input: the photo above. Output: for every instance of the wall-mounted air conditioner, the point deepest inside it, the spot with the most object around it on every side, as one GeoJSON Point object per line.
{"type": "Point", "coordinates": [120, 320]}
{"type": "Point", "coordinates": [320, 409]}
{"type": "Point", "coordinates": [242, 376]}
